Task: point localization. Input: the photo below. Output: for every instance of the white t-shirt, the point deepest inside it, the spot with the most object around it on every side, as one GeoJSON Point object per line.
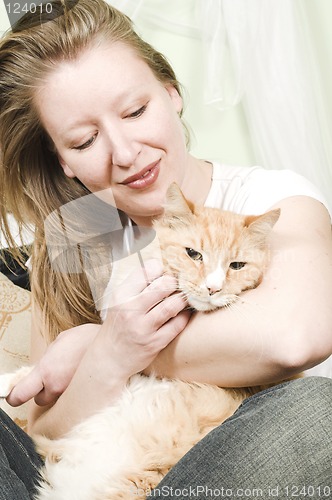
{"type": "Point", "coordinates": [253, 190]}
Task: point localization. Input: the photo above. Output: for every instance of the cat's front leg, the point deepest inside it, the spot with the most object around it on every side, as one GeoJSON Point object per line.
{"type": "Point", "coordinates": [9, 380]}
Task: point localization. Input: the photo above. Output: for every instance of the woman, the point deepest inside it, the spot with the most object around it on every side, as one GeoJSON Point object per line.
{"type": "Point", "coordinates": [87, 106]}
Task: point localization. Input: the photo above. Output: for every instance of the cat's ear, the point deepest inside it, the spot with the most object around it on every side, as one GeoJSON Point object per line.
{"type": "Point", "coordinates": [176, 208]}
{"type": "Point", "coordinates": [262, 225]}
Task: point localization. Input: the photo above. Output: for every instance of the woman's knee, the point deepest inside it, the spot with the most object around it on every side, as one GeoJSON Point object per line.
{"type": "Point", "coordinates": [298, 411]}
{"type": "Point", "coordinates": [313, 387]}
{"type": "Point", "coordinates": [313, 391]}
{"type": "Point", "coordinates": [285, 425]}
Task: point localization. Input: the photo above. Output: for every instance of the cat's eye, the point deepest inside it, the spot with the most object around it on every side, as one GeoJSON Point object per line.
{"type": "Point", "coordinates": [193, 254]}
{"type": "Point", "coordinates": [237, 265]}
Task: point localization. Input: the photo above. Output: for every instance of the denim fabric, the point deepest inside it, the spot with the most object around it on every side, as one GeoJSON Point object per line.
{"type": "Point", "coordinates": [278, 444]}
{"type": "Point", "coordinates": [19, 462]}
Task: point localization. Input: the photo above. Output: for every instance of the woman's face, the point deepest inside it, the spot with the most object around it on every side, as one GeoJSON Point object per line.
{"type": "Point", "coordinates": [115, 126]}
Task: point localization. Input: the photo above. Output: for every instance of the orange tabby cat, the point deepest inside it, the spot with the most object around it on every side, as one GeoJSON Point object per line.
{"type": "Point", "coordinates": [124, 451]}
{"type": "Point", "coordinates": [214, 254]}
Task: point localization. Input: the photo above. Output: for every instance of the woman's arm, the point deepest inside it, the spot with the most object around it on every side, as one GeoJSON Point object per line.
{"type": "Point", "coordinates": [142, 321]}
{"type": "Point", "coordinates": [281, 327]}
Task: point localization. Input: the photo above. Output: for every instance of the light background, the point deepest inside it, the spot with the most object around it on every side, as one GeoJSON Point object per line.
{"type": "Point", "coordinates": [220, 134]}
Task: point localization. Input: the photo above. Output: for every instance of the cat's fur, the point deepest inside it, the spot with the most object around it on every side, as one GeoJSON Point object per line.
{"type": "Point", "coordinates": [219, 240]}
{"type": "Point", "coordinates": [125, 450]}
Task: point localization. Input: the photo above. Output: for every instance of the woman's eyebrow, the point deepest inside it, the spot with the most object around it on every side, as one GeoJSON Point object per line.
{"type": "Point", "coordinates": [69, 134]}
{"type": "Point", "coordinates": [126, 98]}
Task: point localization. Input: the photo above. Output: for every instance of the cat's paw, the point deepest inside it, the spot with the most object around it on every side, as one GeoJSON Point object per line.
{"type": "Point", "coordinates": [6, 384]}
{"type": "Point", "coordinates": [9, 380]}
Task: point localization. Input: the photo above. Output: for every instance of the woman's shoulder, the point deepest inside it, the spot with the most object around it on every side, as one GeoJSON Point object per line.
{"type": "Point", "coordinates": [253, 189]}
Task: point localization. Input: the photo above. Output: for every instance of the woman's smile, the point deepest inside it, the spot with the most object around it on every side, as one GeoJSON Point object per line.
{"type": "Point", "coordinates": [145, 178]}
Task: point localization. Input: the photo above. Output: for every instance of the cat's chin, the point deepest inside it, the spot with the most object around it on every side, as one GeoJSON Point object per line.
{"type": "Point", "coordinates": [211, 303]}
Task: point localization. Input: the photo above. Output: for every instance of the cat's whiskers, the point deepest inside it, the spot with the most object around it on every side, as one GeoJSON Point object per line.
{"type": "Point", "coordinates": [177, 294]}
{"type": "Point", "coordinates": [185, 295]}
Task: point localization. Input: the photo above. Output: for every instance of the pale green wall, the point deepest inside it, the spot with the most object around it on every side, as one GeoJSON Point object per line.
{"type": "Point", "coordinates": [220, 134]}
{"type": "Point", "coordinates": [224, 134]}
{"type": "Point", "coordinates": [4, 23]}
{"type": "Point", "coordinates": [214, 134]}
{"type": "Point", "coordinates": [320, 15]}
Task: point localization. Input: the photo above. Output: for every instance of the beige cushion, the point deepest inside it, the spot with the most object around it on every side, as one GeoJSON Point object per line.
{"type": "Point", "coordinates": [15, 327]}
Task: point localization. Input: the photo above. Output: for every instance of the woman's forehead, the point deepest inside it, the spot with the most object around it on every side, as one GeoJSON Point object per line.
{"type": "Point", "coordinates": [109, 75]}
{"type": "Point", "coordinates": [111, 62]}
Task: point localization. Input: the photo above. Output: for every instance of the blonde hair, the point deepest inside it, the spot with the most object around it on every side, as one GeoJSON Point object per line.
{"type": "Point", "coordinates": [32, 183]}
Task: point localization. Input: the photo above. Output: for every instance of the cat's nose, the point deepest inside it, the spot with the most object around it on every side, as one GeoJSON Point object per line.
{"type": "Point", "coordinates": [214, 289]}
{"type": "Point", "coordinates": [214, 281]}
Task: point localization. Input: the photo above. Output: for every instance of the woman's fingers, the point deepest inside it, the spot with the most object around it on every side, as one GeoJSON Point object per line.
{"type": "Point", "coordinates": [32, 386]}
{"type": "Point", "coordinates": [26, 389]}
{"type": "Point", "coordinates": [45, 397]}
{"type": "Point", "coordinates": [171, 329]}
{"type": "Point", "coordinates": [159, 290]}
{"type": "Point", "coordinates": [134, 283]}
{"type": "Point", "coordinates": [145, 314]}
{"type": "Point", "coordinates": [165, 309]}
{"type": "Point", "coordinates": [147, 298]}
{"type": "Point", "coordinates": [48, 379]}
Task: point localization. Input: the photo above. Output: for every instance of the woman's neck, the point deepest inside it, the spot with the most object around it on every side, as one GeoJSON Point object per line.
{"type": "Point", "coordinates": [197, 180]}
{"type": "Point", "coordinates": [195, 185]}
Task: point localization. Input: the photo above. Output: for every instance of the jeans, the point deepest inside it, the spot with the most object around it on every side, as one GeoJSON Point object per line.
{"type": "Point", "coordinates": [278, 444]}
{"type": "Point", "coordinates": [19, 462]}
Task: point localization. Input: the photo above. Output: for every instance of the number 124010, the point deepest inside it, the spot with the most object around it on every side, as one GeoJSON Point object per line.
{"type": "Point", "coordinates": [18, 8]}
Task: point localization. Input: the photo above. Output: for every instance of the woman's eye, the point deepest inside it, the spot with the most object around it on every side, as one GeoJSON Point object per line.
{"type": "Point", "coordinates": [237, 265]}
{"type": "Point", "coordinates": [86, 144]}
{"type": "Point", "coordinates": [138, 112]}
{"type": "Point", "coordinates": [193, 254]}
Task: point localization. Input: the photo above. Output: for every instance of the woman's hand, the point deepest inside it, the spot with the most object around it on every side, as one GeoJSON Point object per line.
{"type": "Point", "coordinates": [143, 318]}
{"type": "Point", "coordinates": [52, 374]}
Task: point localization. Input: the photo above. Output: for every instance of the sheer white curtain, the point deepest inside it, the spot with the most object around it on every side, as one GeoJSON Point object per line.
{"type": "Point", "coordinates": [129, 7]}
{"type": "Point", "coordinates": [266, 47]}
{"type": "Point", "coordinates": [259, 53]}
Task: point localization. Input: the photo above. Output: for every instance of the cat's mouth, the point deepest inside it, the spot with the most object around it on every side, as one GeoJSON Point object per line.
{"type": "Point", "coordinates": [205, 304]}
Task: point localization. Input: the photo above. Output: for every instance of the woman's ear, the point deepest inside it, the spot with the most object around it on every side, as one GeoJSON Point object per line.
{"type": "Point", "coordinates": [69, 173]}
{"type": "Point", "coordinates": [175, 97]}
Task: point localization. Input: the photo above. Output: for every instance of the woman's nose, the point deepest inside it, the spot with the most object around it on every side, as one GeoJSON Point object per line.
{"type": "Point", "coordinates": [125, 150]}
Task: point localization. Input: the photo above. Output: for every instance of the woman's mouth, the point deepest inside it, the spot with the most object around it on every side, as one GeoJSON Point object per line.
{"type": "Point", "coordinates": [145, 178]}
